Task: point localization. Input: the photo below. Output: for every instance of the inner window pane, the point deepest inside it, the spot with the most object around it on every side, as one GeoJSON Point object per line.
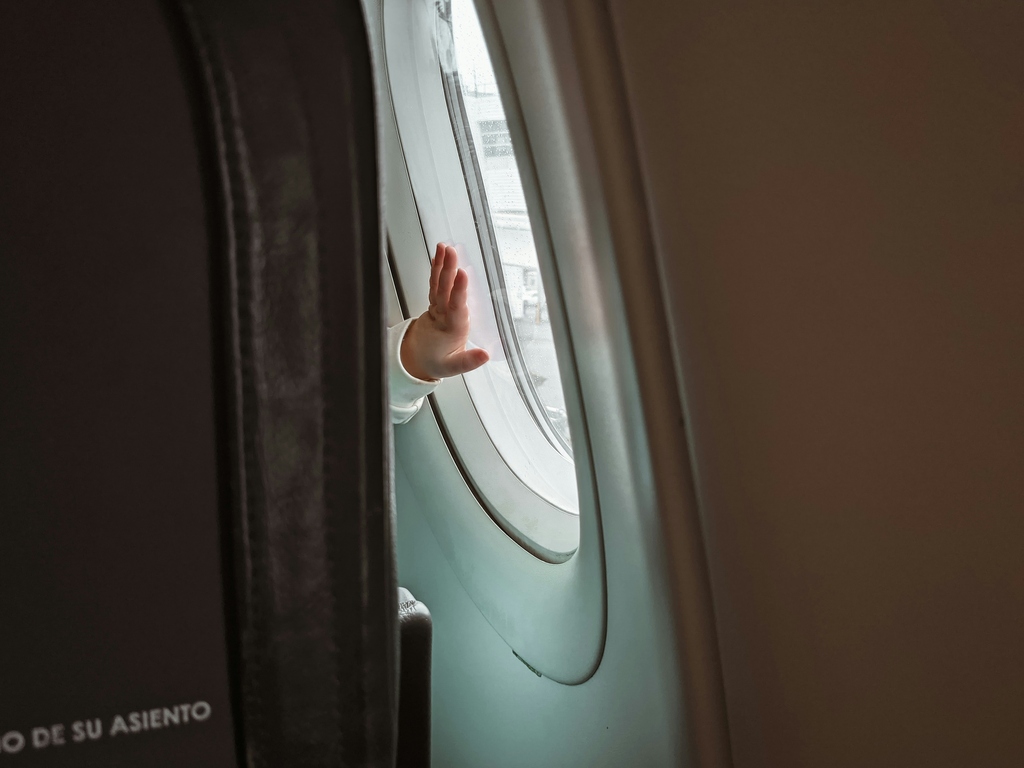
{"type": "Point", "coordinates": [495, 158]}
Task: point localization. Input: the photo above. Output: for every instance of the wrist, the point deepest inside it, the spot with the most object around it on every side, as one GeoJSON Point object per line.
{"type": "Point", "coordinates": [407, 354]}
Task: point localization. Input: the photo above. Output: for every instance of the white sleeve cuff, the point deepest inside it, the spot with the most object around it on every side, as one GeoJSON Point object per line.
{"type": "Point", "coordinates": [407, 392]}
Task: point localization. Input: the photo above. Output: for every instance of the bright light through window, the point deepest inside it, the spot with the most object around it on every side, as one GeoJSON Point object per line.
{"type": "Point", "coordinates": [504, 225]}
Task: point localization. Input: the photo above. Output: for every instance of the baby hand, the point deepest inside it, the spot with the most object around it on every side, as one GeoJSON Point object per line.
{"type": "Point", "coordinates": [435, 343]}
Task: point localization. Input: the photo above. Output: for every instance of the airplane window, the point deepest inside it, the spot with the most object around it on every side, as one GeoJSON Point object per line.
{"type": "Point", "coordinates": [460, 145]}
{"type": "Point", "coordinates": [503, 223]}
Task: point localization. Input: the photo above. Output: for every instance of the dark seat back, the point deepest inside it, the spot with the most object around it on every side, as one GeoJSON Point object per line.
{"type": "Point", "coordinates": [193, 456]}
{"type": "Point", "coordinates": [110, 555]}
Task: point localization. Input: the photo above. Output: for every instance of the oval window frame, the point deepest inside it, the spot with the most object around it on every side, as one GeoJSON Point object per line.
{"type": "Point", "coordinates": [549, 605]}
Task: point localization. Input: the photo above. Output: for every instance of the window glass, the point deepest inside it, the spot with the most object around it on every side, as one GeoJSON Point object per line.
{"type": "Point", "coordinates": [503, 223]}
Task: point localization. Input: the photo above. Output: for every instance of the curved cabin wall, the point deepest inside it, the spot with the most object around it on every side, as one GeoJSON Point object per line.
{"type": "Point", "coordinates": [838, 210]}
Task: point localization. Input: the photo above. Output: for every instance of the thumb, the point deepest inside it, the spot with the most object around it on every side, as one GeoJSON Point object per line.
{"type": "Point", "coordinates": [466, 361]}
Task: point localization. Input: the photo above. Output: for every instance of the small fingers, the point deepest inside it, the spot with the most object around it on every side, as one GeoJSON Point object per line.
{"type": "Point", "coordinates": [466, 361]}
{"type": "Point", "coordinates": [435, 271]}
{"type": "Point", "coordinates": [446, 279]}
{"type": "Point", "coordinates": [460, 289]}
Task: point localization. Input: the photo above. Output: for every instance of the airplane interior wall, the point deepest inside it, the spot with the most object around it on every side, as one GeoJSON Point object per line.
{"type": "Point", "coordinates": [489, 707]}
{"type": "Point", "coordinates": [837, 201]}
